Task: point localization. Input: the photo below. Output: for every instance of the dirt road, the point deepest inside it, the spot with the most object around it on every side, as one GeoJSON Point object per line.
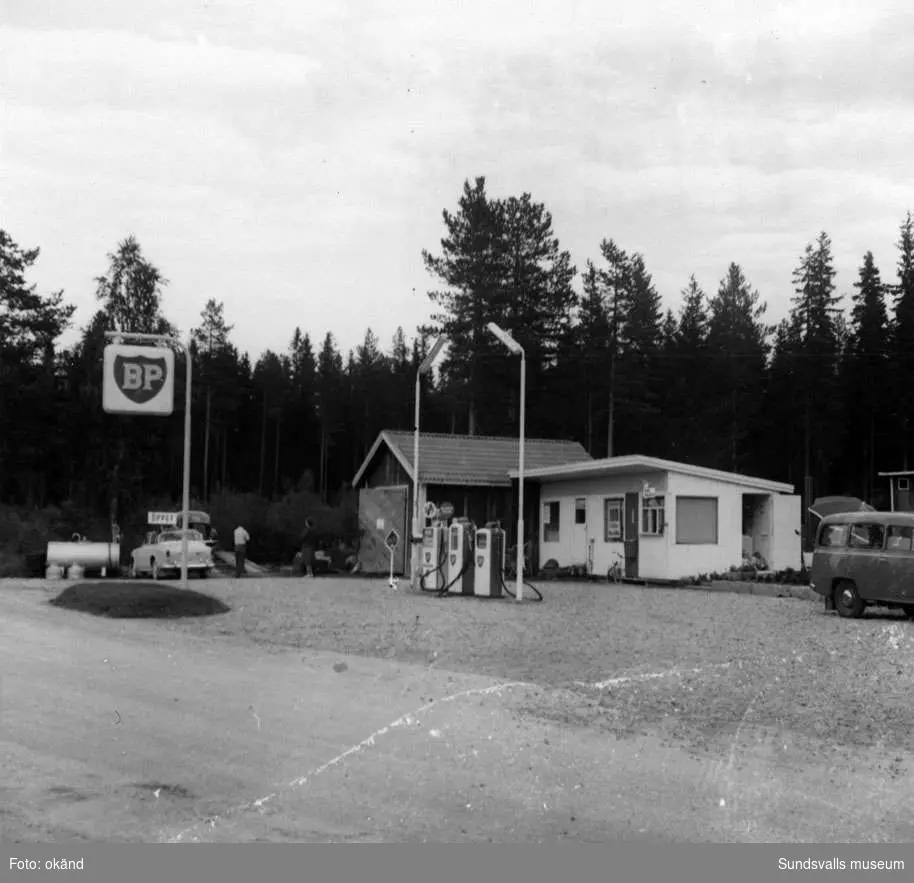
{"type": "Point", "coordinates": [128, 730]}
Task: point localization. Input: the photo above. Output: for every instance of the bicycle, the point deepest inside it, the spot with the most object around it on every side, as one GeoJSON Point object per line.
{"type": "Point", "coordinates": [511, 561]}
{"type": "Point", "coordinates": [615, 572]}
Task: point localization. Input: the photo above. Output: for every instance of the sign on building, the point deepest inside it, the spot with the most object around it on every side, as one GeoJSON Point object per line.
{"type": "Point", "coordinates": [138, 380]}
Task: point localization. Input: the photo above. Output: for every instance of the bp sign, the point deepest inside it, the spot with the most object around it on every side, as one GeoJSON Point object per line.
{"type": "Point", "coordinates": [392, 540]}
{"type": "Point", "coordinates": [138, 380]}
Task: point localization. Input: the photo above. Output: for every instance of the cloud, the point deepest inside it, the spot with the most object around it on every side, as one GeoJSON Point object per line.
{"type": "Point", "coordinates": [302, 155]}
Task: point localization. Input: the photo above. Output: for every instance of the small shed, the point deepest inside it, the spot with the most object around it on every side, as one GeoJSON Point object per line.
{"type": "Point", "coordinates": [661, 519]}
{"type": "Point", "coordinates": [901, 490]}
{"type": "Point", "coordinates": [468, 471]}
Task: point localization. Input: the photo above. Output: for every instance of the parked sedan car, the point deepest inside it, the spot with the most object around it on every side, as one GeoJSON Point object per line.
{"type": "Point", "coordinates": [160, 555]}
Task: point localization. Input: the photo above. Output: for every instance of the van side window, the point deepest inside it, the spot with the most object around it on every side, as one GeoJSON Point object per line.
{"type": "Point", "coordinates": [867, 536]}
{"type": "Point", "coordinates": [833, 535]}
{"type": "Point", "coordinates": [900, 539]}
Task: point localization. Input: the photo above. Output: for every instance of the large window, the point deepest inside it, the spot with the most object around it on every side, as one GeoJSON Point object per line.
{"type": "Point", "coordinates": [900, 538]}
{"type": "Point", "coordinates": [867, 536]}
{"type": "Point", "coordinates": [653, 516]}
{"type": "Point", "coordinates": [551, 522]}
{"type": "Point", "coordinates": [612, 519]}
{"type": "Point", "coordinates": [696, 521]}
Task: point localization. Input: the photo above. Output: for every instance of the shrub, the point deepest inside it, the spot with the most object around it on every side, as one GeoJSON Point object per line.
{"type": "Point", "coordinates": [276, 527]}
{"type": "Point", "coordinates": [11, 564]}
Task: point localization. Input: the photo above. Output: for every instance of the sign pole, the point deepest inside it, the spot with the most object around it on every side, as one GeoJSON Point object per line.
{"type": "Point", "coordinates": [186, 489]}
{"type": "Point", "coordinates": [168, 339]}
{"type": "Point", "coordinates": [392, 540]}
{"type": "Point", "coordinates": [415, 552]}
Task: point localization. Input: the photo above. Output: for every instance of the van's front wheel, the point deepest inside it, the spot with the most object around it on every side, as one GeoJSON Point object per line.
{"type": "Point", "coordinates": [848, 602]}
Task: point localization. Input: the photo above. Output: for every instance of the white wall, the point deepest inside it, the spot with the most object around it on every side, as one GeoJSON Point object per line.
{"type": "Point", "coordinates": [652, 551]}
{"type": "Point", "coordinates": [661, 557]}
{"type": "Point", "coordinates": [692, 560]}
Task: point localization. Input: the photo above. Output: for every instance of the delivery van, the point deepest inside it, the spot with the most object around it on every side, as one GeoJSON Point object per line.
{"type": "Point", "coordinates": [863, 559]}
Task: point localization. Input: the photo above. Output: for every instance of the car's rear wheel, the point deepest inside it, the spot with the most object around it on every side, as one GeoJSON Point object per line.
{"type": "Point", "coordinates": [848, 602]}
{"type": "Point", "coordinates": [132, 572]}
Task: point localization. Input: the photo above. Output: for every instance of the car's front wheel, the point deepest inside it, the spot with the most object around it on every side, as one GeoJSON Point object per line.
{"type": "Point", "coordinates": [848, 602]}
{"type": "Point", "coordinates": [155, 569]}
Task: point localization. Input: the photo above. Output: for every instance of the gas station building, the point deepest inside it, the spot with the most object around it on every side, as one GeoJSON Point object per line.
{"type": "Point", "coordinates": [469, 472]}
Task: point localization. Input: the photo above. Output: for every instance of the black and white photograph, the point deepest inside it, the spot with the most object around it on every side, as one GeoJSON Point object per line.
{"type": "Point", "coordinates": [445, 421]}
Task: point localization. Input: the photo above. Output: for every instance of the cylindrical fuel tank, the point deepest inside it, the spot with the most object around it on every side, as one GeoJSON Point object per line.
{"type": "Point", "coordinates": [90, 556]}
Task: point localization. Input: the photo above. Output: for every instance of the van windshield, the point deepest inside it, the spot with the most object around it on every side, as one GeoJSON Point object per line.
{"type": "Point", "coordinates": [833, 535]}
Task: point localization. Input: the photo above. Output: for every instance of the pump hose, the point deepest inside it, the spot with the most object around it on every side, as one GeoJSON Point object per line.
{"type": "Point", "coordinates": [426, 573]}
{"type": "Point", "coordinates": [467, 561]}
{"type": "Point", "coordinates": [539, 594]}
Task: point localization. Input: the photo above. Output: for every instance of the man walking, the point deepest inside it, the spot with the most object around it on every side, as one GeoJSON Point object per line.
{"type": "Point", "coordinates": [242, 538]}
{"type": "Point", "coordinates": [307, 548]}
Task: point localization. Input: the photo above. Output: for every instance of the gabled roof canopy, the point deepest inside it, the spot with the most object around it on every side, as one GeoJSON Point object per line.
{"type": "Point", "coordinates": [635, 463]}
{"type": "Point", "coordinates": [470, 460]}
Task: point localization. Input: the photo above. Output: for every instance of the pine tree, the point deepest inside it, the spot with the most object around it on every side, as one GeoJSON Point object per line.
{"type": "Point", "coordinates": [472, 267]}
{"type": "Point", "coordinates": [738, 345]}
{"type": "Point", "coordinates": [30, 324]}
{"type": "Point", "coordinates": [210, 340]}
{"type": "Point", "coordinates": [902, 344]}
{"type": "Point", "coordinates": [686, 353]}
{"type": "Point", "coordinates": [866, 368]}
{"type": "Point", "coordinates": [815, 308]}
{"type": "Point", "coordinates": [639, 362]}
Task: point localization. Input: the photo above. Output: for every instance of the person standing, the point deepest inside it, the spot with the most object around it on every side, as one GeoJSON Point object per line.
{"type": "Point", "coordinates": [307, 548]}
{"type": "Point", "coordinates": [242, 538]}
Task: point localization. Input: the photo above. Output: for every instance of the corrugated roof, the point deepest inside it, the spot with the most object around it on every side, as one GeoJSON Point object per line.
{"type": "Point", "coordinates": [473, 460]}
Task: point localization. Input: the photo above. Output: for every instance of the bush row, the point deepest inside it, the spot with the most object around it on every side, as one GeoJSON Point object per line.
{"type": "Point", "coordinates": [275, 526]}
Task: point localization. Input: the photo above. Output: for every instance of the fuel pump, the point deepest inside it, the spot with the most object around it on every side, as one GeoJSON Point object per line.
{"type": "Point", "coordinates": [432, 565]}
{"type": "Point", "coordinates": [489, 561]}
{"type": "Point", "coordinates": [460, 568]}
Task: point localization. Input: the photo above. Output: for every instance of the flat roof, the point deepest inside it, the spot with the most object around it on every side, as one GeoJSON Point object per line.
{"type": "Point", "coordinates": [635, 463]}
{"type": "Point", "coordinates": [893, 474]}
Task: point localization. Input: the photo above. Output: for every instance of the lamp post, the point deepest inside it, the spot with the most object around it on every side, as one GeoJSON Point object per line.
{"type": "Point", "coordinates": [424, 368]}
{"type": "Point", "coordinates": [515, 348]}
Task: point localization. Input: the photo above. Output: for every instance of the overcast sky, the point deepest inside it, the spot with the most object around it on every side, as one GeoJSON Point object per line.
{"type": "Point", "coordinates": [292, 159]}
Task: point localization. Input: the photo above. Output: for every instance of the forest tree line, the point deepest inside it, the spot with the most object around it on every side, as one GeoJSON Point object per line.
{"type": "Point", "coordinates": [824, 393]}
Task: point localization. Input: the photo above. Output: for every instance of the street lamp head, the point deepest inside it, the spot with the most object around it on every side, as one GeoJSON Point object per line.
{"type": "Point", "coordinates": [429, 360]}
{"type": "Point", "coordinates": [506, 339]}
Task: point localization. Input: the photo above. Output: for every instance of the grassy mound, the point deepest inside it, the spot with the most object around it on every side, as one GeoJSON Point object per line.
{"type": "Point", "coordinates": [137, 600]}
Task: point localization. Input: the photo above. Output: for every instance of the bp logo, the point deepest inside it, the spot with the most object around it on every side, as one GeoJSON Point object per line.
{"type": "Point", "coordinates": [138, 380]}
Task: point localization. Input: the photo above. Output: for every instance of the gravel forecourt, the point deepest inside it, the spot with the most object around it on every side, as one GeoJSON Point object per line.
{"type": "Point", "coordinates": [752, 697]}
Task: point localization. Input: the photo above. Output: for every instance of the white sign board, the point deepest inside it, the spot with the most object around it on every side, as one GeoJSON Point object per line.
{"type": "Point", "coordinates": [166, 518]}
{"type": "Point", "coordinates": [138, 380]}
